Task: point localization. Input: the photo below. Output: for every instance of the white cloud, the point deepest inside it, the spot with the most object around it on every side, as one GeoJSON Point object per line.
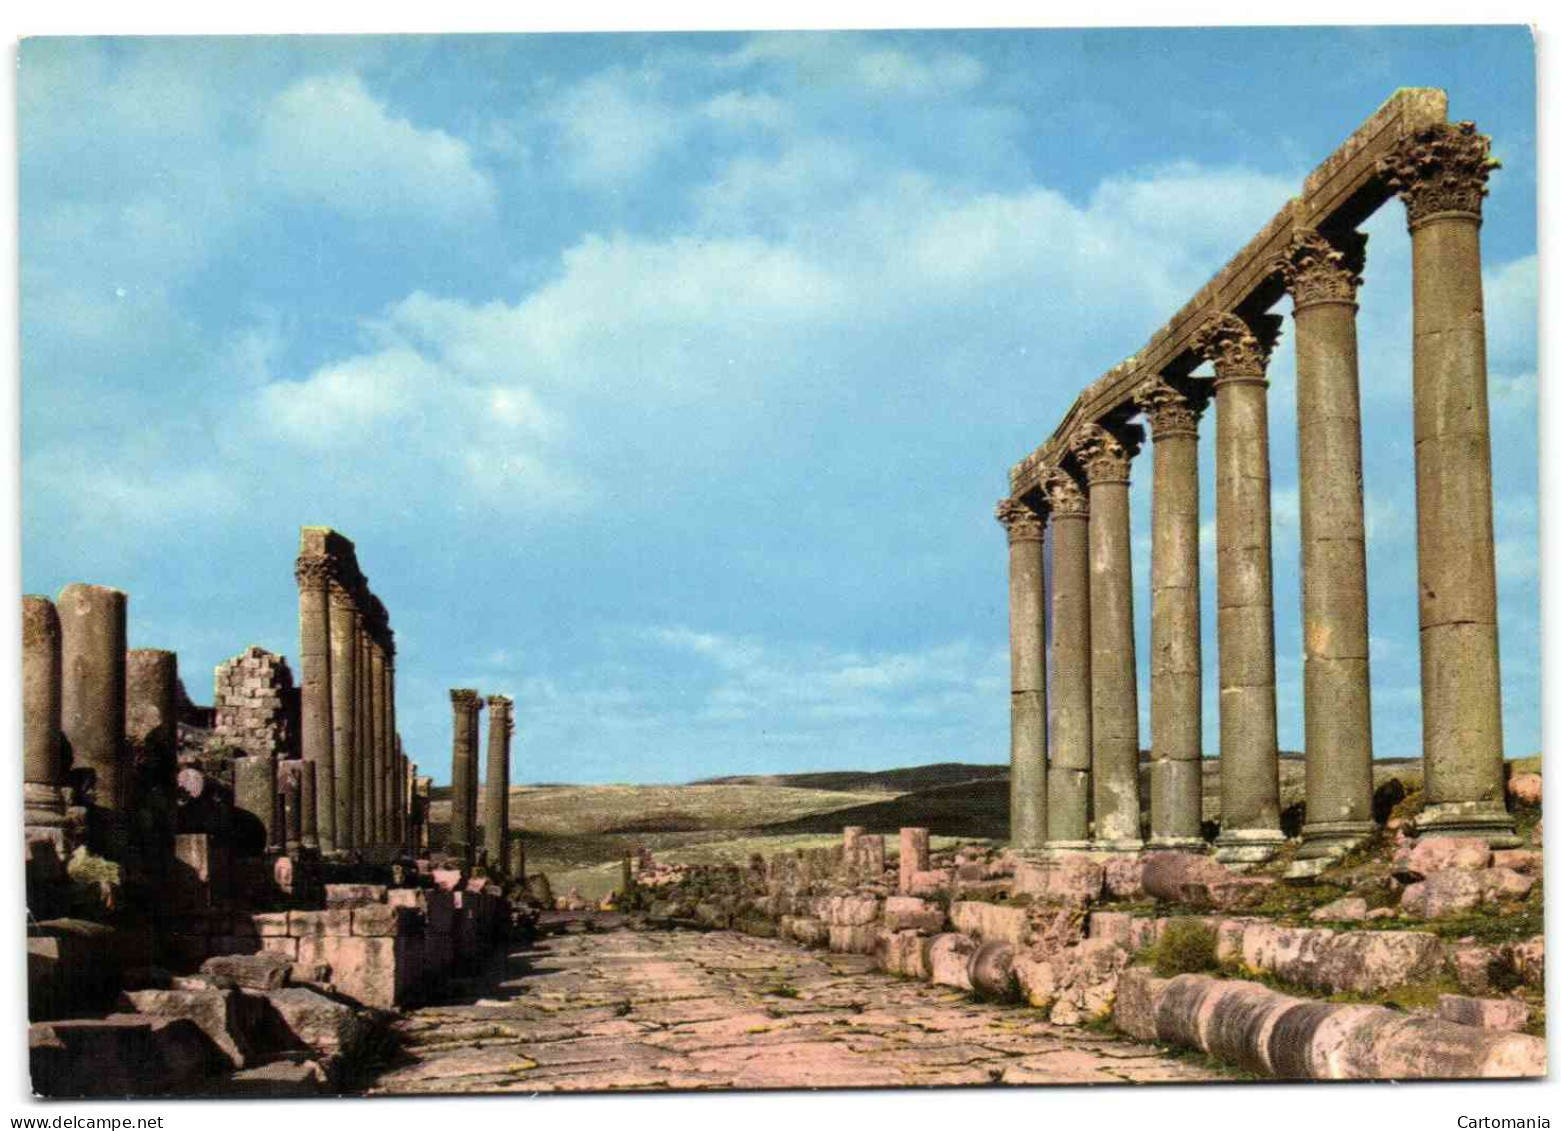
{"type": "Point", "coordinates": [613, 126]}
{"type": "Point", "coordinates": [327, 140]}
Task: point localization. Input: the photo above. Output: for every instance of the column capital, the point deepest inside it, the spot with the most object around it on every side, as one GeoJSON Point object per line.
{"type": "Point", "coordinates": [313, 572]}
{"type": "Point", "coordinates": [1239, 348]}
{"type": "Point", "coordinates": [342, 598]}
{"type": "Point", "coordinates": [1317, 269]}
{"type": "Point", "coordinates": [1023, 522]}
{"type": "Point", "coordinates": [1173, 409]}
{"type": "Point", "coordinates": [1440, 169]}
{"type": "Point", "coordinates": [465, 699]}
{"type": "Point", "coordinates": [1106, 454]}
{"type": "Point", "coordinates": [1065, 496]}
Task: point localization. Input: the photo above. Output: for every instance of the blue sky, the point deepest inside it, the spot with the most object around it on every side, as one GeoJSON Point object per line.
{"type": "Point", "coordinates": [667, 382]}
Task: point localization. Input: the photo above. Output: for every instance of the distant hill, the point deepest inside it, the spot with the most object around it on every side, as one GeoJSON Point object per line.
{"type": "Point", "coordinates": [873, 781]}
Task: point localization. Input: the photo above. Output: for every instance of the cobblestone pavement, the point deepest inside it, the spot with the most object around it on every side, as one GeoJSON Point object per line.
{"type": "Point", "coordinates": [682, 1010]}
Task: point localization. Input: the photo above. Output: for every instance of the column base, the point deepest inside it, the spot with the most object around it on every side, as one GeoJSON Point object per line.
{"type": "Point", "coordinates": [1248, 846]}
{"type": "Point", "coordinates": [1333, 839]}
{"type": "Point", "coordinates": [43, 805]}
{"type": "Point", "coordinates": [1177, 844]}
{"type": "Point", "coordinates": [1059, 849]}
{"type": "Point", "coordinates": [1487, 820]}
{"type": "Point", "coordinates": [1117, 847]}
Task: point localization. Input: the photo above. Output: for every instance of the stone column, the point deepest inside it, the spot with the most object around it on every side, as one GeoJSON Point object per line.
{"type": "Point", "coordinates": [1321, 277]}
{"type": "Point", "coordinates": [1106, 456]}
{"type": "Point", "coordinates": [379, 801]}
{"type": "Point", "coordinates": [254, 805]}
{"type": "Point", "coordinates": [363, 814]}
{"type": "Point", "coordinates": [313, 573]}
{"type": "Point", "coordinates": [1440, 173]}
{"type": "Point", "coordinates": [496, 793]}
{"type": "Point", "coordinates": [344, 715]}
{"type": "Point", "coordinates": [1067, 805]}
{"type": "Point", "coordinates": [915, 855]}
{"type": "Point", "coordinates": [463, 773]}
{"type": "Point", "coordinates": [92, 705]}
{"type": "Point", "coordinates": [151, 753]}
{"type": "Point", "coordinates": [309, 791]}
{"type": "Point", "coordinates": [1027, 666]}
{"type": "Point", "coordinates": [1249, 731]}
{"type": "Point", "coordinates": [1176, 647]}
{"type": "Point", "coordinates": [290, 789]}
{"type": "Point", "coordinates": [43, 760]}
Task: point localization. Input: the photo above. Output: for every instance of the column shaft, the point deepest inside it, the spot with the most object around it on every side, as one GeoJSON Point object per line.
{"type": "Point", "coordinates": [379, 802]}
{"type": "Point", "coordinates": [496, 792]}
{"type": "Point", "coordinates": [1176, 649]}
{"type": "Point", "coordinates": [363, 817]}
{"type": "Point", "coordinates": [465, 704]}
{"type": "Point", "coordinates": [92, 705]}
{"type": "Point", "coordinates": [344, 720]}
{"type": "Point", "coordinates": [1027, 667]}
{"type": "Point", "coordinates": [1113, 662]}
{"type": "Point", "coordinates": [317, 736]}
{"type": "Point", "coordinates": [1333, 581]}
{"type": "Point", "coordinates": [1067, 821]}
{"type": "Point", "coordinates": [43, 761]}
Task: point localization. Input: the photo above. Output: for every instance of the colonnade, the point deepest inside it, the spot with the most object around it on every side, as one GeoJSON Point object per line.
{"type": "Point", "coordinates": [1075, 743]}
{"type": "Point", "coordinates": [347, 700]}
{"type": "Point", "coordinates": [494, 851]}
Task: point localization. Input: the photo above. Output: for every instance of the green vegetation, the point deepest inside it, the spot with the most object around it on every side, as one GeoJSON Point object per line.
{"type": "Point", "coordinates": [1185, 947]}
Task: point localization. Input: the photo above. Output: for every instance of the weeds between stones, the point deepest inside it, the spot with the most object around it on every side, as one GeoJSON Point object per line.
{"type": "Point", "coordinates": [1185, 948]}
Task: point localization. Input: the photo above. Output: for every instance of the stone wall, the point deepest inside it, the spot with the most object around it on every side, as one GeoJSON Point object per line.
{"type": "Point", "coordinates": [256, 704]}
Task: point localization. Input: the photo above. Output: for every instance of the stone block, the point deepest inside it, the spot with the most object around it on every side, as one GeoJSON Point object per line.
{"type": "Point", "coordinates": [1526, 789]}
{"type": "Point", "coordinates": [1351, 908]}
{"type": "Point", "coordinates": [1124, 877]}
{"type": "Point", "coordinates": [1138, 996]}
{"type": "Point", "coordinates": [859, 939]}
{"type": "Point", "coordinates": [1114, 926]}
{"type": "Point", "coordinates": [120, 1055]}
{"type": "Point", "coordinates": [992, 970]}
{"type": "Point", "coordinates": [278, 1079]}
{"type": "Point", "coordinates": [1471, 966]}
{"type": "Point", "coordinates": [847, 910]}
{"type": "Point", "coordinates": [299, 1017]}
{"type": "Point", "coordinates": [45, 855]}
{"type": "Point", "coordinates": [1072, 880]}
{"type": "Point", "coordinates": [1483, 1013]}
{"type": "Point", "coordinates": [805, 929]}
{"type": "Point", "coordinates": [948, 960]}
{"type": "Point", "coordinates": [198, 873]}
{"type": "Point", "coordinates": [309, 924]}
{"type": "Point", "coordinates": [991, 922]}
{"type": "Point", "coordinates": [382, 919]}
{"type": "Point", "coordinates": [930, 882]}
{"type": "Point", "coordinates": [1420, 859]}
{"type": "Point", "coordinates": [1364, 962]}
{"type": "Point", "coordinates": [1528, 959]}
{"type": "Point", "coordinates": [214, 1010]}
{"type": "Point", "coordinates": [73, 965]}
{"type": "Point", "coordinates": [350, 895]}
{"type": "Point", "coordinates": [1180, 877]}
{"type": "Point", "coordinates": [907, 913]}
{"type": "Point", "coordinates": [262, 971]}
{"type": "Point", "coordinates": [1524, 860]}
{"type": "Point", "coordinates": [372, 971]}
{"type": "Point", "coordinates": [902, 952]}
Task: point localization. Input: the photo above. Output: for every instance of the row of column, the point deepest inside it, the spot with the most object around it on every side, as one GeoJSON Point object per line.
{"type": "Point", "coordinates": [495, 851]}
{"type": "Point", "coordinates": [1089, 751]}
{"type": "Point", "coordinates": [96, 716]}
{"type": "Point", "coordinates": [348, 700]}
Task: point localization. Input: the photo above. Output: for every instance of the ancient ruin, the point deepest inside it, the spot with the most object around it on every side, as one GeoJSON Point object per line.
{"type": "Point", "coordinates": [1075, 782]}
{"type": "Point", "coordinates": [227, 909]}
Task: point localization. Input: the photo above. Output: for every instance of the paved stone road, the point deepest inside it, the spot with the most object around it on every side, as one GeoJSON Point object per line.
{"type": "Point", "coordinates": [630, 1010]}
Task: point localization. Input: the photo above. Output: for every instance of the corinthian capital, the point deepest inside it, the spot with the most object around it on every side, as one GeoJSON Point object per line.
{"type": "Point", "coordinates": [313, 572]}
{"type": "Point", "coordinates": [1173, 410]}
{"type": "Point", "coordinates": [1316, 269]}
{"type": "Point", "coordinates": [1023, 522]}
{"type": "Point", "coordinates": [465, 699]}
{"type": "Point", "coordinates": [1106, 454]}
{"type": "Point", "coordinates": [1238, 349]}
{"type": "Point", "coordinates": [1065, 496]}
{"type": "Point", "coordinates": [1441, 168]}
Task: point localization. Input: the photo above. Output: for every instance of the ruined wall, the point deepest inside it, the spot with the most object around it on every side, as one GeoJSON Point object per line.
{"type": "Point", "coordinates": [257, 704]}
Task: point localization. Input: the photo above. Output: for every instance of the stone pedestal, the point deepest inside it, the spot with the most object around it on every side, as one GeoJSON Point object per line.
{"type": "Point", "coordinates": [1067, 816]}
{"type": "Point", "coordinates": [1176, 648]}
{"type": "Point", "coordinates": [1322, 277]}
{"type": "Point", "coordinates": [1249, 732]}
{"type": "Point", "coordinates": [1440, 173]}
{"type": "Point", "coordinates": [92, 706]}
{"type": "Point", "coordinates": [43, 762]}
{"type": "Point", "coordinates": [1105, 456]}
{"type": "Point", "coordinates": [1027, 650]}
